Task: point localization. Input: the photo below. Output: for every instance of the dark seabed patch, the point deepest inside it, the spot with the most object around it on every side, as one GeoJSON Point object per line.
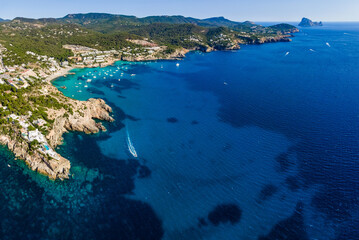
{"type": "Point", "coordinates": [267, 191]}
{"type": "Point", "coordinates": [95, 91]}
{"type": "Point", "coordinates": [144, 172]}
{"type": "Point", "coordinates": [202, 222]}
{"type": "Point", "coordinates": [285, 161]}
{"type": "Point", "coordinates": [334, 203]}
{"type": "Point", "coordinates": [172, 120]}
{"type": "Point", "coordinates": [132, 118]}
{"type": "Point", "coordinates": [119, 87]}
{"type": "Point", "coordinates": [194, 122]}
{"type": "Point", "coordinates": [350, 231]}
{"type": "Point", "coordinates": [293, 183]}
{"type": "Point", "coordinates": [225, 213]}
{"type": "Point", "coordinates": [291, 228]}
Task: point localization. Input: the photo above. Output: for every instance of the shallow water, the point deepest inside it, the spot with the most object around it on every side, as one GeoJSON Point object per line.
{"type": "Point", "coordinates": [253, 144]}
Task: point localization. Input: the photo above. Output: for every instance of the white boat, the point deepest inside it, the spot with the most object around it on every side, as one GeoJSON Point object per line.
{"type": "Point", "coordinates": [287, 53]}
{"type": "Point", "coordinates": [177, 65]}
{"type": "Point", "coordinates": [89, 80]}
{"type": "Point", "coordinates": [328, 44]}
{"type": "Point", "coordinates": [86, 86]}
{"type": "Point", "coordinates": [112, 85]}
{"type": "Point", "coordinates": [130, 146]}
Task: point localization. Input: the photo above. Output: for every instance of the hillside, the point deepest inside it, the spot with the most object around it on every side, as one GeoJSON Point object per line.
{"type": "Point", "coordinates": [102, 31]}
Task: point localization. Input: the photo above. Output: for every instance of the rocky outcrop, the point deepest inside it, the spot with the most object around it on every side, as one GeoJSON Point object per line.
{"type": "Point", "coordinates": [262, 40]}
{"type": "Point", "coordinates": [284, 38]}
{"type": "Point", "coordinates": [309, 23]}
{"type": "Point", "coordinates": [53, 168]}
{"type": "Point", "coordinates": [82, 119]}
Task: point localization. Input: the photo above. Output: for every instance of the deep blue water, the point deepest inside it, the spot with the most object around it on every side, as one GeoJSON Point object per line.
{"type": "Point", "coordinates": [260, 143]}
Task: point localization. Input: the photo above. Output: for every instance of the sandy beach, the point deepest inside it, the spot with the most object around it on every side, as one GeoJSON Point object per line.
{"type": "Point", "coordinates": [61, 72]}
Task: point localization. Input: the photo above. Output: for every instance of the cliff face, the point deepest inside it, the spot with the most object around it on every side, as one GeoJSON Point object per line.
{"type": "Point", "coordinates": [82, 120]}
{"type": "Point", "coordinates": [284, 38]}
{"type": "Point", "coordinates": [309, 23]}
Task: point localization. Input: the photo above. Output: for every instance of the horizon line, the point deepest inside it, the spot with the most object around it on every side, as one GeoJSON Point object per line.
{"type": "Point", "coordinates": [163, 15]}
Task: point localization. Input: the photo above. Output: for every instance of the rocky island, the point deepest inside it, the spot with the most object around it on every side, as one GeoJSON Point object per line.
{"type": "Point", "coordinates": [309, 23]}
{"type": "Point", "coordinates": [34, 114]}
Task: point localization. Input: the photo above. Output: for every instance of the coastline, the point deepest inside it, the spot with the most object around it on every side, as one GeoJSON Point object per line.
{"type": "Point", "coordinates": [59, 73]}
{"type": "Point", "coordinates": [177, 55]}
{"type": "Point", "coordinates": [83, 118]}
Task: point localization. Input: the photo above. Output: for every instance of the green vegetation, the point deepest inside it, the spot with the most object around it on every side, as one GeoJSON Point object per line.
{"type": "Point", "coordinates": [108, 32]}
{"type": "Point", "coordinates": [27, 101]}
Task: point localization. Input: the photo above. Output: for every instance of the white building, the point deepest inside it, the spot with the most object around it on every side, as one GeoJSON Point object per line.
{"type": "Point", "coordinates": [36, 135]}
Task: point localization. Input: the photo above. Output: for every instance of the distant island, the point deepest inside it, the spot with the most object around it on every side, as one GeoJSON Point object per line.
{"type": "Point", "coordinates": [34, 114]}
{"type": "Point", "coordinates": [306, 22]}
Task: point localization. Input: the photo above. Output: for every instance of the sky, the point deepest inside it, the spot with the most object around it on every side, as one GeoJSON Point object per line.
{"type": "Point", "coordinates": [237, 10]}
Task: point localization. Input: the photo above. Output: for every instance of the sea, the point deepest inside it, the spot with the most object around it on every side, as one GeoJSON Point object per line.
{"type": "Point", "coordinates": [260, 143]}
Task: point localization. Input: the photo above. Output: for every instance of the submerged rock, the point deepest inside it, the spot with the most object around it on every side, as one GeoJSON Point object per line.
{"type": "Point", "coordinates": [225, 213]}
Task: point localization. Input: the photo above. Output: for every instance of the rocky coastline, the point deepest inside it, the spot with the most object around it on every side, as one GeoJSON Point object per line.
{"type": "Point", "coordinates": [181, 53]}
{"type": "Point", "coordinates": [81, 120]}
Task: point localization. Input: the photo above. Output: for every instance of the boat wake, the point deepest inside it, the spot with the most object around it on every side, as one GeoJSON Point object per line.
{"type": "Point", "coordinates": [130, 146]}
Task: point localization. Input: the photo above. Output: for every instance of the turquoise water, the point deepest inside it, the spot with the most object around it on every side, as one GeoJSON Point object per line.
{"type": "Point", "coordinates": [261, 143]}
